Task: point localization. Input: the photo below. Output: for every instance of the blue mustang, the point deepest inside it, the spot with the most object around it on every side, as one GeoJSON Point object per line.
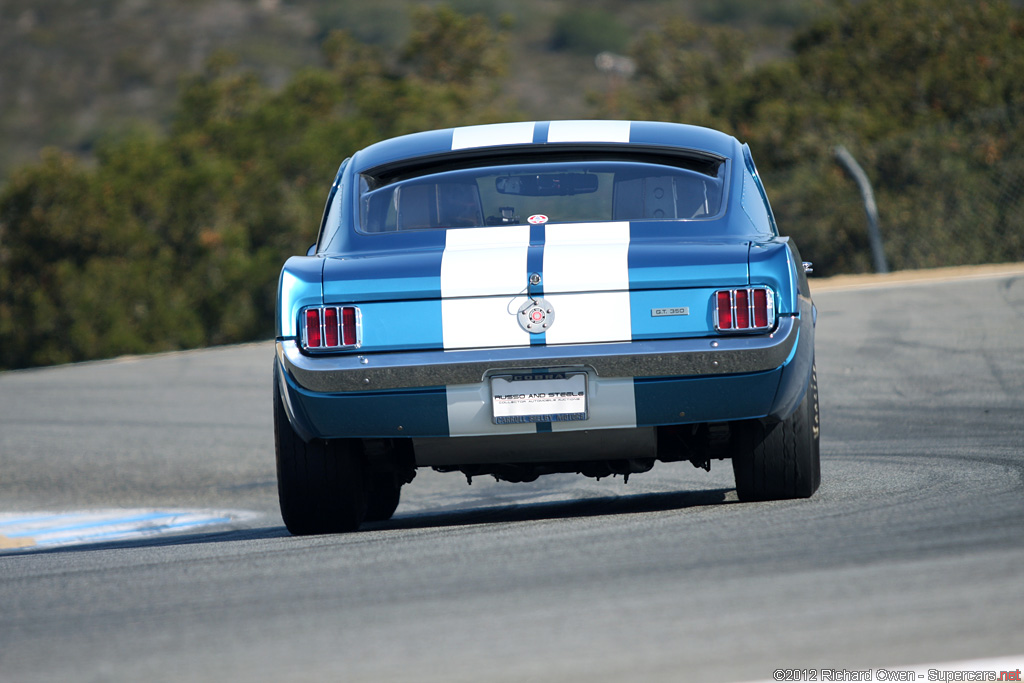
{"type": "Point", "coordinates": [521, 299]}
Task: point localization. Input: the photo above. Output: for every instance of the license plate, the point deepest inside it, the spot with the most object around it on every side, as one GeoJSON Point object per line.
{"type": "Point", "coordinates": [539, 397]}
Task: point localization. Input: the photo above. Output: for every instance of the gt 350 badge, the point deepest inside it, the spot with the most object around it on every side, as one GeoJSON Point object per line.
{"type": "Point", "coordinates": [536, 316]}
{"type": "Point", "coordinates": [661, 312]}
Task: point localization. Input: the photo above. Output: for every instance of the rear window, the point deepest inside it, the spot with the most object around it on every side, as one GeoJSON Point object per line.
{"type": "Point", "coordinates": [563, 192]}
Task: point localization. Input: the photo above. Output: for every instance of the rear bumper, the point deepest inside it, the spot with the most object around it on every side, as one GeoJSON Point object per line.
{"type": "Point", "coordinates": [630, 385]}
{"type": "Point", "coordinates": [662, 358]}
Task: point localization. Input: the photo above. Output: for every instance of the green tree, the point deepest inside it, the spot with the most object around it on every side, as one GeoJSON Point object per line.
{"type": "Point", "coordinates": [925, 93]}
{"type": "Point", "coordinates": [175, 241]}
{"type": "Point", "coordinates": [683, 73]}
{"type": "Point", "coordinates": [80, 276]}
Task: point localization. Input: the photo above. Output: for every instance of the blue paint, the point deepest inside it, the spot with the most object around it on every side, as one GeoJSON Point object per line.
{"type": "Point", "coordinates": [755, 206]}
{"type": "Point", "coordinates": [401, 325]}
{"type": "Point", "coordinates": [403, 147]}
{"type": "Point", "coordinates": [395, 280]}
{"type": "Point", "coordinates": [648, 133]}
{"type": "Point", "coordinates": [538, 233]}
{"type": "Point", "coordinates": [771, 264]}
{"type": "Point", "coordinates": [535, 264]}
{"type": "Point", "coordinates": [535, 260]}
{"type": "Point", "coordinates": [697, 323]}
{"type": "Point", "coordinates": [384, 276]}
{"type": "Point", "coordinates": [797, 370]}
{"type": "Point", "coordinates": [370, 414]}
{"type": "Point", "coordinates": [540, 132]}
{"type": "Point", "coordinates": [751, 172]}
{"type": "Point", "coordinates": [300, 284]}
{"type": "Point", "coordinates": [659, 401]}
{"type": "Point", "coordinates": [683, 136]}
{"type": "Point", "coordinates": [667, 264]}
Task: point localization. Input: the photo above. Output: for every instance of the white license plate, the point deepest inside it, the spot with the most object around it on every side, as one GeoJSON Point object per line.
{"type": "Point", "coordinates": [539, 397]}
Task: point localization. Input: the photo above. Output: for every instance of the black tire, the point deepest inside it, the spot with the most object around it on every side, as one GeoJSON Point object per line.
{"type": "Point", "coordinates": [382, 497]}
{"type": "Point", "coordinates": [320, 484]}
{"type": "Point", "coordinates": [779, 460]}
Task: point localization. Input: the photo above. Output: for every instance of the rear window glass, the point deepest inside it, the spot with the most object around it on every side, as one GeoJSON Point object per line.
{"type": "Point", "coordinates": [564, 192]}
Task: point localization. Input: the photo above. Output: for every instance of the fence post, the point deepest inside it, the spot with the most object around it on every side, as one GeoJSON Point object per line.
{"type": "Point", "coordinates": [851, 166]}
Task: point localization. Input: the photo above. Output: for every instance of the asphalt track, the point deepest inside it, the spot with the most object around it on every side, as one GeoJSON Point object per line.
{"type": "Point", "coordinates": [911, 553]}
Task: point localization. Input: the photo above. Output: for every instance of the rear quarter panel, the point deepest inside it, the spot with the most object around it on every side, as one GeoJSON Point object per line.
{"type": "Point", "coordinates": [300, 284]}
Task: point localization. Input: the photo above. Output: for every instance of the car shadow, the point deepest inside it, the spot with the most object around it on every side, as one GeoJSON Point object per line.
{"type": "Point", "coordinates": [636, 503]}
{"type": "Point", "coordinates": [603, 506]}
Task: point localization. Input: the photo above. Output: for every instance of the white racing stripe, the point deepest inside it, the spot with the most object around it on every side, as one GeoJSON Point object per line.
{"type": "Point", "coordinates": [492, 134]}
{"type": "Point", "coordinates": [586, 257]}
{"type": "Point", "coordinates": [586, 318]}
{"type": "Point", "coordinates": [588, 131]}
{"type": "Point", "coordinates": [469, 412]}
{"type": "Point", "coordinates": [592, 259]}
{"type": "Point", "coordinates": [585, 278]}
{"type": "Point", "coordinates": [482, 323]}
{"type": "Point", "coordinates": [479, 268]}
{"type": "Point", "coordinates": [484, 261]}
{"type": "Point", "coordinates": [20, 531]}
{"type": "Point", "coordinates": [521, 133]}
{"type": "Point", "coordinates": [610, 404]}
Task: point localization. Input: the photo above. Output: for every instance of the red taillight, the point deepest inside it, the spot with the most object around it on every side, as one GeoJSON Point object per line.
{"type": "Point", "coordinates": [761, 308]}
{"type": "Point", "coordinates": [724, 304]}
{"type": "Point", "coordinates": [349, 325]}
{"type": "Point", "coordinates": [743, 310]}
{"type": "Point", "coordinates": [328, 328]}
{"type": "Point", "coordinates": [313, 328]}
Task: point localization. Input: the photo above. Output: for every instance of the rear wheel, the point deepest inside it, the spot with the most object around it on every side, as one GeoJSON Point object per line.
{"type": "Point", "coordinates": [319, 483]}
{"type": "Point", "coordinates": [777, 460]}
{"type": "Point", "coordinates": [382, 497]}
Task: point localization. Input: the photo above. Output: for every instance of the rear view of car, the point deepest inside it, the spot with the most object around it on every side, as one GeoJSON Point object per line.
{"type": "Point", "coordinates": [522, 299]}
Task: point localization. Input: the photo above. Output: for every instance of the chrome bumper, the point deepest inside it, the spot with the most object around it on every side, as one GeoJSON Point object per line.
{"type": "Point", "coordinates": [705, 356]}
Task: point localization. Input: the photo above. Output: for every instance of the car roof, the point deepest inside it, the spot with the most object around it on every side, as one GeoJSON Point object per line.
{"type": "Point", "coordinates": [545, 134]}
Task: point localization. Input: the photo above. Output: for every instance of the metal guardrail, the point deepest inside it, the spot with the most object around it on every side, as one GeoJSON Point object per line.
{"type": "Point", "coordinates": [851, 166]}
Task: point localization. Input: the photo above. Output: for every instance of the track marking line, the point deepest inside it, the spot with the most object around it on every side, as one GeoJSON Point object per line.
{"type": "Point", "coordinates": [21, 531]}
{"type": "Point", "coordinates": [7, 543]}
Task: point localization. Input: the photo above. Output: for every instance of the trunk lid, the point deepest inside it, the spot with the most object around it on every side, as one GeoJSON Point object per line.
{"type": "Point", "coordinates": [590, 281]}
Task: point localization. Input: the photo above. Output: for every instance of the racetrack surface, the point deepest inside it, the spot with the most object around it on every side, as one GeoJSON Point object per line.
{"type": "Point", "coordinates": [912, 552]}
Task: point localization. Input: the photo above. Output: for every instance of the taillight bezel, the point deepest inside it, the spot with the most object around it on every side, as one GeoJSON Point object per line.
{"type": "Point", "coordinates": [346, 335]}
{"type": "Point", "coordinates": [750, 299]}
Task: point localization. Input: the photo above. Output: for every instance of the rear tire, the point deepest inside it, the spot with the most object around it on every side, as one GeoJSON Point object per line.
{"type": "Point", "coordinates": [320, 484]}
{"type": "Point", "coordinates": [382, 497]}
{"type": "Point", "coordinates": [779, 460]}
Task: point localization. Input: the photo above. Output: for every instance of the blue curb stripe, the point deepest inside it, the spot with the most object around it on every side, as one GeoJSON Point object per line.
{"type": "Point", "coordinates": [92, 524]}
{"type": "Point", "coordinates": [138, 532]}
{"type": "Point", "coordinates": [54, 530]}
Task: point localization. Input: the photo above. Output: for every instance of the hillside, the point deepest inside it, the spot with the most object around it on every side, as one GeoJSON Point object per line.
{"type": "Point", "coordinates": [181, 177]}
{"type": "Point", "coordinates": [72, 72]}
